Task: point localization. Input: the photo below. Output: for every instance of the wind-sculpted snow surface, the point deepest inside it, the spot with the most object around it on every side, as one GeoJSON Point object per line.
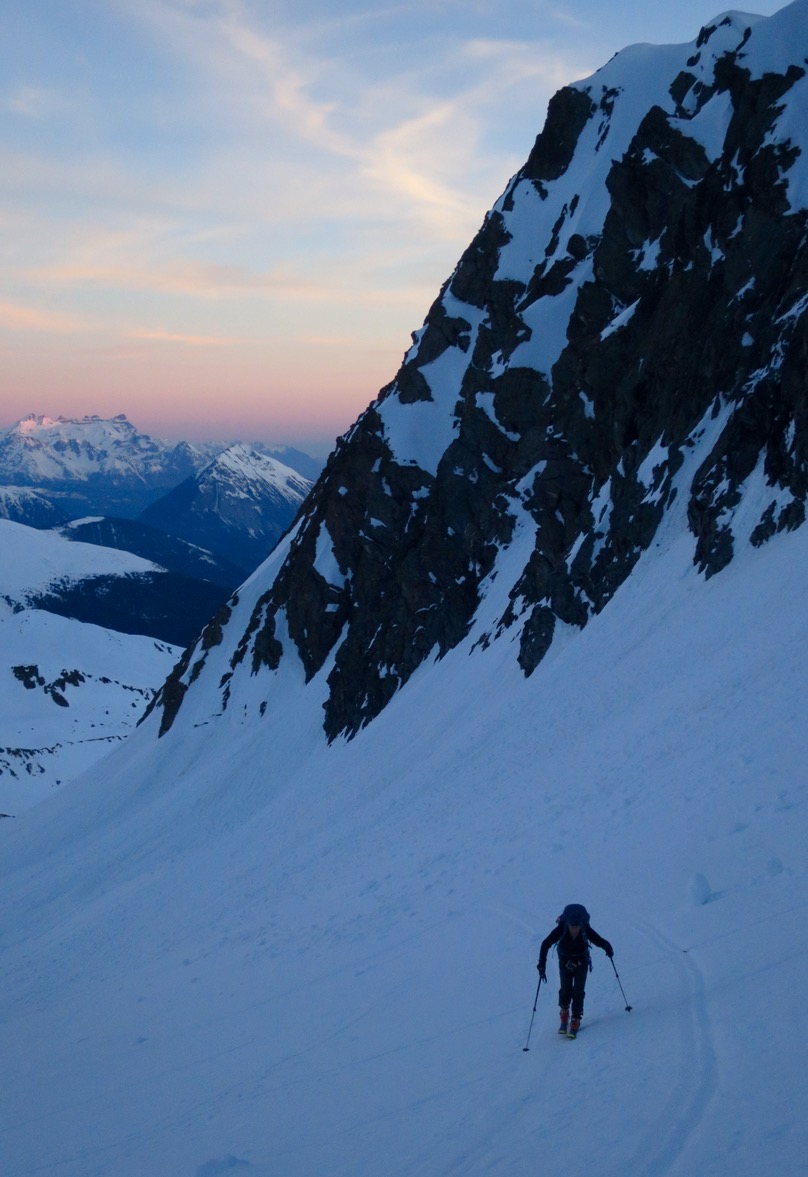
{"type": "Point", "coordinates": [636, 301]}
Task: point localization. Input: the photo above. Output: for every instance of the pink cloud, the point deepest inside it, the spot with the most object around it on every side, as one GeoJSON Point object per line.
{"type": "Point", "coordinates": [17, 317]}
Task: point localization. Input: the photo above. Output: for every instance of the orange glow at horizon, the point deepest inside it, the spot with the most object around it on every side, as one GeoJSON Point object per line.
{"type": "Point", "coordinates": [178, 387]}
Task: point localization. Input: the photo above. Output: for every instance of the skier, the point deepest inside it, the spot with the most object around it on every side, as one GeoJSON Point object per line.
{"type": "Point", "coordinates": [573, 935]}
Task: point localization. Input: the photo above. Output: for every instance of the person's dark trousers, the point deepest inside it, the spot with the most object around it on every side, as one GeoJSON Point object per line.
{"type": "Point", "coordinates": [573, 985]}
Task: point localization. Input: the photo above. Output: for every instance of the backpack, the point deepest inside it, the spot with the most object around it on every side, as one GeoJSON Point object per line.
{"type": "Point", "coordinates": [575, 914]}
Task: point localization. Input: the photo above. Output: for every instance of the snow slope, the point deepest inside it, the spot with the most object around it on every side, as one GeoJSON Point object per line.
{"type": "Point", "coordinates": [37, 561]}
{"type": "Point", "coordinates": [70, 692]}
{"type": "Point", "coordinates": [245, 950]}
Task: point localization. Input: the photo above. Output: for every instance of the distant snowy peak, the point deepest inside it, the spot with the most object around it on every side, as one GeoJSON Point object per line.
{"type": "Point", "coordinates": [95, 464]}
{"type": "Point", "coordinates": [238, 506]}
{"type": "Point", "coordinates": [623, 343]}
{"type": "Point", "coordinates": [248, 468]}
{"type": "Point", "coordinates": [46, 449]}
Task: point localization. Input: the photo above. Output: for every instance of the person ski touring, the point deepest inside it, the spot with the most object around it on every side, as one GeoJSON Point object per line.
{"type": "Point", "coordinates": [572, 934]}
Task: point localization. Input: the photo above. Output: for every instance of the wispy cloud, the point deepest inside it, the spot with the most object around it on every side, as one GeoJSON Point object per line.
{"type": "Point", "coordinates": [412, 158]}
{"type": "Point", "coordinates": [288, 98]}
{"type": "Point", "coordinates": [253, 75]}
{"type": "Point", "coordinates": [401, 136]}
{"type": "Point", "coordinates": [196, 278]}
{"type": "Point", "coordinates": [18, 317]}
{"type": "Point", "coordinates": [157, 335]}
{"type": "Point", "coordinates": [567, 18]}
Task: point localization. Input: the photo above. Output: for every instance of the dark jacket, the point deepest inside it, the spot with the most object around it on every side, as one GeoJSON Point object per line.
{"type": "Point", "coordinates": [570, 948]}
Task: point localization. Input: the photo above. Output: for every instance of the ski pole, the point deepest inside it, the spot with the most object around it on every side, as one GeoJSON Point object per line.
{"type": "Point", "coordinates": [532, 1016]}
{"type": "Point", "coordinates": [619, 982]}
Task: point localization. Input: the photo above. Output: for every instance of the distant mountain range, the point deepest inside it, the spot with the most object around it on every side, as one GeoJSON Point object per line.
{"type": "Point", "coordinates": [105, 466]}
{"type": "Point", "coordinates": [95, 610]}
{"type": "Point", "coordinates": [95, 465]}
{"type": "Point", "coordinates": [204, 513]}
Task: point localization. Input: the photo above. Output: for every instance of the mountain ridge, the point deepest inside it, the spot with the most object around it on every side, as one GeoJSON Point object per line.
{"type": "Point", "coordinates": [108, 587]}
{"type": "Point", "coordinates": [105, 465]}
{"type": "Point", "coordinates": [644, 276]}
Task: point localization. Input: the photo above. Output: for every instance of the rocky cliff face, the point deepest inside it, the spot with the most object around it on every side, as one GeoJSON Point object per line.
{"type": "Point", "coordinates": [628, 327]}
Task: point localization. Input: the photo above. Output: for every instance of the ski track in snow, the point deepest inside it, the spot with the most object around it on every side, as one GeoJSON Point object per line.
{"type": "Point", "coordinates": [696, 1076]}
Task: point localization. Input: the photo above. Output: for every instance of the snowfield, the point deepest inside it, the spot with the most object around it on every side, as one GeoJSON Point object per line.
{"type": "Point", "coordinates": [238, 949]}
{"type": "Point", "coordinates": [36, 561]}
{"type": "Point", "coordinates": [70, 692]}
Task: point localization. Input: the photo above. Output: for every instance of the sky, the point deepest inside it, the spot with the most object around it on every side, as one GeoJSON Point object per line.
{"type": "Point", "coordinates": [225, 217]}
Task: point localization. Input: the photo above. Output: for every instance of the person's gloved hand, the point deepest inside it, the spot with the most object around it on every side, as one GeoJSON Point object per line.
{"type": "Point", "coordinates": [542, 972]}
{"type": "Point", "coordinates": [609, 950]}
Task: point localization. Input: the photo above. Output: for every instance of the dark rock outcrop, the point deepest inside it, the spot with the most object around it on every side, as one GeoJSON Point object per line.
{"type": "Point", "coordinates": [626, 334]}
